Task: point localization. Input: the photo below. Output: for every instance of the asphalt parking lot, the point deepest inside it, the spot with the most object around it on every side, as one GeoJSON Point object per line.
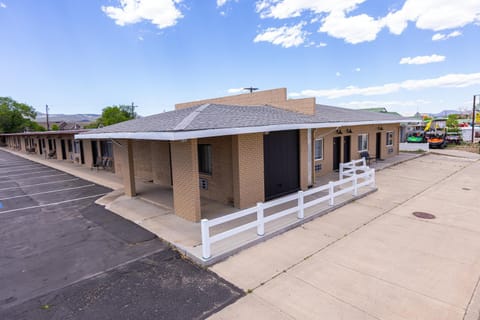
{"type": "Point", "coordinates": [64, 257]}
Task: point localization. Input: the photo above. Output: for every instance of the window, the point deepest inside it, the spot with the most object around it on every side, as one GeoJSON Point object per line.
{"type": "Point", "coordinates": [389, 138]}
{"type": "Point", "coordinates": [363, 142]}
{"type": "Point", "coordinates": [205, 158]}
{"type": "Point", "coordinates": [106, 148]}
{"type": "Point", "coordinates": [76, 146]}
{"type": "Point", "coordinates": [319, 149]}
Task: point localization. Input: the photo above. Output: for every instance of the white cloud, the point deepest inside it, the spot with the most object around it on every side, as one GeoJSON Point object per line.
{"type": "Point", "coordinates": [162, 13]}
{"type": "Point", "coordinates": [321, 45]}
{"type": "Point", "coordinates": [434, 15]}
{"type": "Point", "coordinates": [235, 90]}
{"type": "Point", "coordinates": [338, 74]}
{"type": "Point", "coordinates": [140, 38]}
{"type": "Point", "coordinates": [357, 69]}
{"type": "Point", "coordinates": [3, 5]}
{"type": "Point", "coordinates": [284, 36]}
{"type": "Point", "coordinates": [281, 9]}
{"type": "Point", "coordinates": [446, 81]}
{"type": "Point", "coordinates": [386, 104]}
{"type": "Point", "coordinates": [221, 2]}
{"type": "Point", "coordinates": [422, 59]}
{"type": "Point", "coordinates": [355, 29]}
{"type": "Point", "coordinates": [442, 36]}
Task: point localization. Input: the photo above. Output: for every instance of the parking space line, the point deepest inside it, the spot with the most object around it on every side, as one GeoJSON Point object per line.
{"type": "Point", "coordinates": [17, 166]}
{"type": "Point", "coordinates": [52, 175]}
{"type": "Point", "coordinates": [53, 204]}
{"type": "Point", "coordinates": [38, 184]}
{"type": "Point", "coordinates": [24, 174]}
{"type": "Point", "coordinates": [58, 190]}
{"type": "Point", "coordinates": [10, 171]}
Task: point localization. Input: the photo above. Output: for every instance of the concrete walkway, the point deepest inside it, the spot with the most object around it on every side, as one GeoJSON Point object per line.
{"type": "Point", "coordinates": [373, 259]}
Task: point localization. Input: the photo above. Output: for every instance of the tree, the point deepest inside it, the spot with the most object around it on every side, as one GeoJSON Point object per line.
{"type": "Point", "coordinates": [452, 123]}
{"type": "Point", "coordinates": [55, 127]}
{"type": "Point", "coordinates": [113, 114]}
{"type": "Point", "coordinates": [15, 116]}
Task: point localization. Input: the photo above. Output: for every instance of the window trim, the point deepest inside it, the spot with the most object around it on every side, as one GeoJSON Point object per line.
{"type": "Point", "coordinates": [391, 138]}
{"type": "Point", "coordinates": [315, 149]}
{"type": "Point", "coordinates": [360, 145]}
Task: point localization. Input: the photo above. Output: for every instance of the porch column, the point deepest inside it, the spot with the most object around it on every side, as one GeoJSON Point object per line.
{"type": "Point", "coordinates": [58, 146]}
{"type": "Point", "coordinates": [248, 170]}
{"type": "Point", "coordinates": [303, 146]}
{"type": "Point", "coordinates": [186, 191]}
{"type": "Point", "coordinates": [128, 170]}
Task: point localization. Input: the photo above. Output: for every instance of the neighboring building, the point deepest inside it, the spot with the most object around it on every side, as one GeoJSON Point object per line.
{"type": "Point", "coordinates": [61, 145]}
{"type": "Point", "coordinates": [243, 149]}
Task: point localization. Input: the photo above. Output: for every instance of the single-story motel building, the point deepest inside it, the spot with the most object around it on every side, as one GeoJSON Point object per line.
{"type": "Point", "coordinates": [237, 150]}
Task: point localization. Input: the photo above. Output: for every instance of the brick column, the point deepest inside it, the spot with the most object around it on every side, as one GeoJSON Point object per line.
{"type": "Point", "coordinates": [59, 148]}
{"type": "Point", "coordinates": [248, 170]}
{"type": "Point", "coordinates": [186, 191]}
{"type": "Point", "coordinates": [303, 150]}
{"type": "Point", "coordinates": [128, 170]}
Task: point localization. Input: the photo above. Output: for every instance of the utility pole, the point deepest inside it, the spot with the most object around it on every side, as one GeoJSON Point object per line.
{"type": "Point", "coordinates": [48, 123]}
{"type": "Point", "coordinates": [133, 111]}
{"type": "Point", "coordinates": [473, 117]}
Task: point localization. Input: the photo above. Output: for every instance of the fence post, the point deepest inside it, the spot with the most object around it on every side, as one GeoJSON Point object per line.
{"type": "Point", "coordinates": [355, 184]}
{"type": "Point", "coordinates": [300, 214]}
{"type": "Point", "coordinates": [205, 239]}
{"type": "Point", "coordinates": [373, 185]}
{"type": "Point", "coordinates": [330, 193]}
{"type": "Point", "coordinates": [261, 223]}
{"type": "Point", "coordinates": [341, 171]}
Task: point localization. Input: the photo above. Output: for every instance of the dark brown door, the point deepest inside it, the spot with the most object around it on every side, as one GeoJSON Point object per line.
{"type": "Point", "coordinates": [336, 152]}
{"type": "Point", "coordinates": [378, 146]}
{"type": "Point", "coordinates": [281, 163]}
{"type": "Point", "coordinates": [346, 149]}
{"type": "Point", "coordinates": [64, 151]}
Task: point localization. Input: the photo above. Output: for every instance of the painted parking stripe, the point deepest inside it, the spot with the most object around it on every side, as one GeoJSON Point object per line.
{"type": "Point", "coordinates": [38, 184]}
{"type": "Point", "coordinates": [58, 190]}
{"type": "Point", "coordinates": [23, 170]}
{"type": "Point", "coordinates": [1, 205]}
{"type": "Point", "coordinates": [53, 204]}
{"type": "Point", "coordinates": [16, 165]}
{"type": "Point", "coordinates": [52, 175]}
{"type": "Point", "coordinates": [25, 174]}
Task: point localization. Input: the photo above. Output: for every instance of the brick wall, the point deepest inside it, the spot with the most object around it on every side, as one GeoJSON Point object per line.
{"type": "Point", "coordinates": [275, 97]}
{"type": "Point", "coordinates": [186, 193]}
{"type": "Point", "coordinates": [303, 161]}
{"type": "Point", "coordinates": [371, 130]}
{"type": "Point", "coordinates": [220, 185]}
{"type": "Point", "coordinates": [248, 170]}
{"type": "Point", "coordinates": [160, 162]}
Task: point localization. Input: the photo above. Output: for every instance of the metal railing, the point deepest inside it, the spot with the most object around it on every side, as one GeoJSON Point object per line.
{"type": "Point", "coordinates": [353, 182]}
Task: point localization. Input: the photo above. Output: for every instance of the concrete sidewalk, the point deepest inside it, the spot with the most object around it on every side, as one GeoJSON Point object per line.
{"type": "Point", "coordinates": [373, 259]}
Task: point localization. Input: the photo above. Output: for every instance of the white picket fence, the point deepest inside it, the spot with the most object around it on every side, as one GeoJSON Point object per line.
{"type": "Point", "coordinates": [350, 184]}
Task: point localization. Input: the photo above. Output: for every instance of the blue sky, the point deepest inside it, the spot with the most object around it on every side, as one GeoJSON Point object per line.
{"type": "Point", "coordinates": [80, 56]}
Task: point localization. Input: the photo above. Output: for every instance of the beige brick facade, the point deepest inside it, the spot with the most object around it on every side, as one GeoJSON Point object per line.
{"type": "Point", "coordinates": [303, 154]}
{"type": "Point", "coordinates": [220, 184]}
{"type": "Point", "coordinates": [275, 97]}
{"type": "Point", "coordinates": [329, 133]}
{"type": "Point", "coordinates": [248, 170]}
{"type": "Point", "coordinates": [160, 157]}
{"type": "Point", "coordinates": [186, 193]}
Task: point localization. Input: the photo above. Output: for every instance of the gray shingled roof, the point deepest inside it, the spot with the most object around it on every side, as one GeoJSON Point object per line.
{"type": "Point", "coordinates": [217, 116]}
